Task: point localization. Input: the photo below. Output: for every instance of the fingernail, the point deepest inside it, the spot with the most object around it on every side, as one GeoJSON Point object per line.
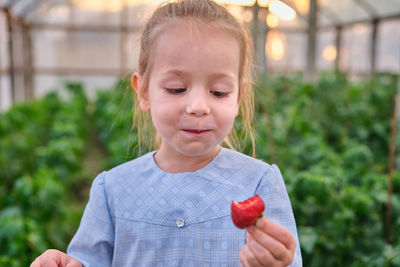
{"type": "Point", "coordinates": [260, 223]}
{"type": "Point", "coordinates": [251, 229]}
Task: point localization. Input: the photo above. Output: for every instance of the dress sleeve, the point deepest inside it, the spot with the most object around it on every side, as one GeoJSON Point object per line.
{"type": "Point", "coordinates": [93, 243]}
{"type": "Point", "coordinates": [278, 208]}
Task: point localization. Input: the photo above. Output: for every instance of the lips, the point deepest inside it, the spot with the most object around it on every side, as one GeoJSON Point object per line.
{"type": "Point", "coordinates": [195, 131]}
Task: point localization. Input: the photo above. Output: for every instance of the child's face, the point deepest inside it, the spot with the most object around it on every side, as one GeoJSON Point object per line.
{"type": "Point", "coordinates": [193, 89]}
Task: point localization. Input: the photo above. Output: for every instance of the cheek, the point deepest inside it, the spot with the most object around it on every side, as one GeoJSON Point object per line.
{"type": "Point", "coordinates": [234, 107]}
{"type": "Point", "coordinates": [228, 114]}
{"type": "Point", "coordinates": [162, 115]}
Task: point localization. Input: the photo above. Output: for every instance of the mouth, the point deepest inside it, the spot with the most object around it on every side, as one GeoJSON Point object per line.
{"type": "Point", "coordinates": [195, 131]}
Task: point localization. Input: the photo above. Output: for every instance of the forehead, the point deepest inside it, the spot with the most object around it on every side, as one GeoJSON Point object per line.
{"type": "Point", "coordinates": [187, 41]}
{"type": "Point", "coordinates": [195, 29]}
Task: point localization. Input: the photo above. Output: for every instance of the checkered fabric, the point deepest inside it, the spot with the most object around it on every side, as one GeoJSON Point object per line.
{"type": "Point", "coordinates": [139, 215]}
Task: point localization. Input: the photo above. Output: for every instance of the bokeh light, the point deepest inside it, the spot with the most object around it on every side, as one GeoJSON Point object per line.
{"type": "Point", "coordinates": [329, 53]}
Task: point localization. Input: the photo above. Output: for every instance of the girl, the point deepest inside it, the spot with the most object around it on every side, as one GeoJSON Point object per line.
{"type": "Point", "coordinates": [171, 207]}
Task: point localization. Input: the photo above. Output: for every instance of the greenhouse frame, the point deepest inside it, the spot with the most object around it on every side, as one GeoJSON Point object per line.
{"type": "Point", "coordinates": [43, 41]}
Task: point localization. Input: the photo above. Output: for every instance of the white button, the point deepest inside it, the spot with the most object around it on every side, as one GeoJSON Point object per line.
{"type": "Point", "coordinates": [180, 222]}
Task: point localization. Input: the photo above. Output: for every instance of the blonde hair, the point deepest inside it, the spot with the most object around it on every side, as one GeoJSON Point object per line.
{"type": "Point", "coordinates": [209, 12]}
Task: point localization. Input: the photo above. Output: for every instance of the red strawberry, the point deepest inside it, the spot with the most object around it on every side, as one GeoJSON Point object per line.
{"type": "Point", "coordinates": [246, 212]}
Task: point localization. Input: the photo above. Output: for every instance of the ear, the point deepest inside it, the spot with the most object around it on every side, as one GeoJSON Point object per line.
{"type": "Point", "coordinates": [143, 96]}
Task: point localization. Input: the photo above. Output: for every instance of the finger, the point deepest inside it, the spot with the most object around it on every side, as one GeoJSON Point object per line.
{"type": "Point", "coordinates": [46, 262]}
{"type": "Point", "coordinates": [243, 259]}
{"type": "Point", "coordinates": [263, 256]}
{"type": "Point", "coordinates": [43, 262]}
{"type": "Point", "coordinates": [252, 257]}
{"type": "Point", "coordinates": [55, 258]}
{"type": "Point", "coordinates": [278, 232]}
{"type": "Point", "coordinates": [35, 263]}
{"type": "Point", "coordinates": [249, 259]}
{"type": "Point", "coordinates": [73, 263]}
{"type": "Point", "coordinates": [266, 242]}
{"type": "Point", "coordinates": [50, 258]}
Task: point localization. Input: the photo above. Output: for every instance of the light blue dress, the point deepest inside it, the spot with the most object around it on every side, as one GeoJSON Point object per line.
{"type": "Point", "coordinates": [139, 215]}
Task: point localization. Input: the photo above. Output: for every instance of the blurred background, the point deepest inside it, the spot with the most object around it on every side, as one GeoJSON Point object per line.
{"type": "Point", "coordinates": [326, 112]}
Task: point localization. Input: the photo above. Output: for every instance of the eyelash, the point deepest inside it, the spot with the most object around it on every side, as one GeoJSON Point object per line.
{"type": "Point", "coordinates": [219, 93]}
{"type": "Point", "coordinates": [177, 91]}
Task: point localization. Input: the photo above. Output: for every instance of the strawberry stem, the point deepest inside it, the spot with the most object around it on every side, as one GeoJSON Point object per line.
{"type": "Point", "coordinates": [259, 217]}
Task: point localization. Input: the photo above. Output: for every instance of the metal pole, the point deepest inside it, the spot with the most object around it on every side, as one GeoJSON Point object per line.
{"type": "Point", "coordinates": [391, 167]}
{"type": "Point", "coordinates": [262, 16]}
{"type": "Point", "coordinates": [1, 78]}
{"type": "Point", "coordinates": [312, 32]}
{"type": "Point", "coordinates": [374, 34]}
{"type": "Point", "coordinates": [123, 37]}
{"type": "Point", "coordinates": [27, 57]}
{"type": "Point", "coordinates": [11, 54]}
{"type": "Point", "coordinates": [338, 44]}
{"type": "Point", "coordinates": [265, 61]}
{"type": "Point", "coordinates": [392, 159]}
{"type": "Point", "coordinates": [256, 9]}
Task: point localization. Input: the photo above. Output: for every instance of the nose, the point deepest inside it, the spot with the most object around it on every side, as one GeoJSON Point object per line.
{"type": "Point", "coordinates": [198, 104]}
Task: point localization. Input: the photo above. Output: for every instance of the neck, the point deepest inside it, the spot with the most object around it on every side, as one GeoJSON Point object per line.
{"type": "Point", "coordinates": [175, 162]}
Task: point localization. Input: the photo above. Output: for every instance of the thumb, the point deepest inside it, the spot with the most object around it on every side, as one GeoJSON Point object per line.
{"type": "Point", "coordinates": [73, 263]}
{"type": "Point", "coordinates": [48, 263]}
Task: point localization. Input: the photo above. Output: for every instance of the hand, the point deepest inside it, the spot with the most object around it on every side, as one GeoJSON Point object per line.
{"type": "Point", "coordinates": [268, 244]}
{"type": "Point", "coordinates": [55, 258]}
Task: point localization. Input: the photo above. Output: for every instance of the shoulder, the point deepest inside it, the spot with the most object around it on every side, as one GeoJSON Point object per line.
{"type": "Point", "coordinates": [125, 172]}
{"type": "Point", "coordinates": [242, 166]}
{"type": "Point", "coordinates": [143, 161]}
{"type": "Point", "coordinates": [234, 159]}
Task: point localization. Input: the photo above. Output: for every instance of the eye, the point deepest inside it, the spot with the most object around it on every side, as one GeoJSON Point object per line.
{"type": "Point", "coordinates": [219, 93]}
{"type": "Point", "coordinates": [175, 91]}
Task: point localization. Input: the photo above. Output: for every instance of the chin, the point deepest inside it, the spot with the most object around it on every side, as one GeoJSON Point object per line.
{"type": "Point", "coordinates": [196, 152]}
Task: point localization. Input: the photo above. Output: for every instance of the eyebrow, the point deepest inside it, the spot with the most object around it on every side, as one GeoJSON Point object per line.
{"type": "Point", "coordinates": [176, 72]}
{"type": "Point", "coordinates": [183, 73]}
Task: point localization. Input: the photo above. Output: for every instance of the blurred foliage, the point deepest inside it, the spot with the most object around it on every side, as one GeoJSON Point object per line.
{"type": "Point", "coordinates": [42, 146]}
{"type": "Point", "coordinates": [330, 139]}
{"type": "Point", "coordinates": [113, 118]}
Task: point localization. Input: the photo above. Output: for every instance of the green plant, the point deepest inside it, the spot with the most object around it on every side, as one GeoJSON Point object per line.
{"type": "Point", "coordinates": [113, 119]}
{"type": "Point", "coordinates": [331, 140]}
{"type": "Point", "coordinates": [44, 144]}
